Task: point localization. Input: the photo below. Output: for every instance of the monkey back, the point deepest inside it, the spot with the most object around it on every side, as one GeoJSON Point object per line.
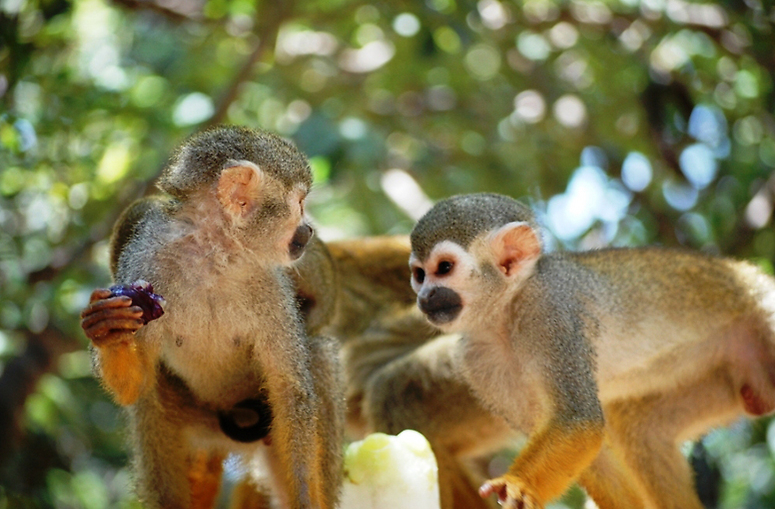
{"type": "Point", "coordinates": [463, 217]}
{"type": "Point", "coordinates": [200, 159]}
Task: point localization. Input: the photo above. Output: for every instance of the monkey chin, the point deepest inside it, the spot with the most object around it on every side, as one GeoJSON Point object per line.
{"type": "Point", "coordinates": [444, 316]}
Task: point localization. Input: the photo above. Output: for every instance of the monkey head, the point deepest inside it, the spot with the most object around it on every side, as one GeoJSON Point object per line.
{"type": "Point", "coordinates": [259, 180]}
{"type": "Point", "coordinates": [468, 251]}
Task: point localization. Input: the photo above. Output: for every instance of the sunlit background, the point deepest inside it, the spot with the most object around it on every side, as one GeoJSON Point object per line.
{"type": "Point", "coordinates": [622, 123]}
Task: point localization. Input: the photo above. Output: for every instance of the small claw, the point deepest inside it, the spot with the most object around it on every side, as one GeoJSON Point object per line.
{"type": "Point", "coordinates": [490, 488]}
{"type": "Point", "coordinates": [485, 490]}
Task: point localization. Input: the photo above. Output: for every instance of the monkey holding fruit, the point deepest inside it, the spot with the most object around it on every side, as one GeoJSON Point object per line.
{"type": "Point", "coordinates": [230, 348]}
{"type": "Point", "coordinates": [607, 359]}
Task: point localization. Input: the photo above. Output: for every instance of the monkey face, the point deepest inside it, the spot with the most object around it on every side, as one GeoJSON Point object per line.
{"type": "Point", "coordinates": [264, 212]}
{"type": "Point", "coordinates": [441, 282]}
{"type": "Point", "coordinates": [456, 286]}
{"type": "Point", "coordinates": [302, 232]}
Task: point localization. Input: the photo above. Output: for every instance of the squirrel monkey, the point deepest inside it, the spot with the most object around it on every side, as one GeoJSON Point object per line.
{"type": "Point", "coordinates": [607, 359]}
{"type": "Point", "coordinates": [230, 348]}
{"type": "Point", "coordinates": [399, 369]}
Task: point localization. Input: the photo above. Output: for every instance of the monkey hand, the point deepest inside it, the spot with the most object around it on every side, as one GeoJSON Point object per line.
{"type": "Point", "coordinates": [110, 322]}
{"type": "Point", "coordinates": [110, 319]}
{"type": "Point", "coordinates": [512, 492]}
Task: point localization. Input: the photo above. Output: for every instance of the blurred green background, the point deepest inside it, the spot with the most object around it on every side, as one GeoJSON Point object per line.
{"type": "Point", "coordinates": [624, 122]}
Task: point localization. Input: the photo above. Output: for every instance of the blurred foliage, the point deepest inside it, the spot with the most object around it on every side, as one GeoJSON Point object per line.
{"type": "Point", "coordinates": [622, 122]}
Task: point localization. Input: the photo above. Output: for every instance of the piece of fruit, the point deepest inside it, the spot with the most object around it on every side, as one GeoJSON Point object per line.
{"type": "Point", "coordinates": [142, 295]}
{"type": "Point", "coordinates": [385, 472]}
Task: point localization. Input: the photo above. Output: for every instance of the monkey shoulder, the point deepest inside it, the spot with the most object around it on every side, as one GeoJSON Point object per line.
{"type": "Point", "coordinates": [137, 237]}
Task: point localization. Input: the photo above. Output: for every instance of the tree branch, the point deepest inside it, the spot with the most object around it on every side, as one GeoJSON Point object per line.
{"type": "Point", "coordinates": [277, 13]}
{"type": "Point", "coordinates": [189, 11]}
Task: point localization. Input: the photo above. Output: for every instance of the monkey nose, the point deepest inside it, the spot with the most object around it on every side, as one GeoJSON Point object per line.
{"type": "Point", "coordinates": [299, 241]}
{"type": "Point", "coordinates": [440, 304]}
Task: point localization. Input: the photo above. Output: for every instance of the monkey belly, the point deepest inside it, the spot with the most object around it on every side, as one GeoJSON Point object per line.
{"type": "Point", "coordinates": [220, 377]}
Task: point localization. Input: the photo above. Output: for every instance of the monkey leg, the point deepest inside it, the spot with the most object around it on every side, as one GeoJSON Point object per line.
{"type": "Point", "coordinates": [647, 431]}
{"type": "Point", "coordinates": [204, 477]}
{"type": "Point", "coordinates": [609, 483]}
{"type": "Point", "coordinates": [422, 391]}
{"type": "Point", "coordinates": [329, 386]}
{"type": "Point", "coordinates": [161, 457]}
{"type": "Point", "coordinates": [304, 457]}
{"type": "Point", "coordinates": [171, 473]}
{"type": "Point", "coordinates": [249, 495]}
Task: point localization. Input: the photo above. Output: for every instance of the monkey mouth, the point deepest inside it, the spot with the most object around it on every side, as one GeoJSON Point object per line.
{"type": "Point", "coordinates": [301, 237]}
{"type": "Point", "coordinates": [443, 316]}
{"type": "Point", "coordinates": [441, 305]}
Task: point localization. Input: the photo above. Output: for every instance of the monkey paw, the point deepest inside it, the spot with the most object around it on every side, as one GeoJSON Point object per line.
{"type": "Point", "coordinates": [512, 493]}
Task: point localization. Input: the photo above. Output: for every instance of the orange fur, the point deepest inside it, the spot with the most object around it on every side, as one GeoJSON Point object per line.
{"type": "Point", "coordinates": [124, 369]}
{"type": "Point", "coordinates": [204, 477]}
{"type": "Point", "coordinates": [554, 457]}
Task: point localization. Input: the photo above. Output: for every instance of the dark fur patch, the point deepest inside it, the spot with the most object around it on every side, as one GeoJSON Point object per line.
{"type": "Point", "coordinates": [228, 420]}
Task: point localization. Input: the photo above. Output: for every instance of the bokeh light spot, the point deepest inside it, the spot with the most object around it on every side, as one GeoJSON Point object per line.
{"type": "Point", "coordinates": [636, 171]}
{"type": "Point", "coordinates": [483, 61]}
{"type": "Point", "coordinates": [192, 109]}
{"type": "Point", "coordinates": [406, 24]}
{"type": "Point", "coordinates": [533, 46]}
{"type": "Point", "coordinates": [530, 106]}
{"type": "Point", "coordinates": [570, 111]}
{"type": "Point", "coordinates": [698, 164]}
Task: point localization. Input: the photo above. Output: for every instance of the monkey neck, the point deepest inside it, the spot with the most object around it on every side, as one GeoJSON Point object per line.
{"type": "Point", "coordinates": [205, 240]}
{"type": "Point", "coordinates": [493, 312]}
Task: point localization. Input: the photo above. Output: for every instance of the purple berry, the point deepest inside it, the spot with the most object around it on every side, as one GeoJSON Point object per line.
{"type": "Point", "coordinates": [142, 295]}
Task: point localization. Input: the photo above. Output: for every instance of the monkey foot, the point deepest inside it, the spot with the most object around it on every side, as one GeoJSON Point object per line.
{"type": "Point", "coordinates": [511, 491]}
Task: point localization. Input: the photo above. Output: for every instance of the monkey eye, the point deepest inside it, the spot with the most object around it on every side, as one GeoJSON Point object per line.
{"type": "Point", "coordinates": [444, 267]}
{"type": "Point", "coordinates": [419, 275]}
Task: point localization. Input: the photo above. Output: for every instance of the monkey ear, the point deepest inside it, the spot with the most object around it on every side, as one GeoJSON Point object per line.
{"type": "Point", "coordinates": [516, 247]}
{"type": "Point", "coordinates": [239, 188]}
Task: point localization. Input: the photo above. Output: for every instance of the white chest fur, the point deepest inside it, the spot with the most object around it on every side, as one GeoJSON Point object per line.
{"type": "Point", "coordinates": [499, 376]}
{"type": "Point", "coordinates": [221, 303]}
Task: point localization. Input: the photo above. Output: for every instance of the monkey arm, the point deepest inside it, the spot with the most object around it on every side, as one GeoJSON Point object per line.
{"type": "Point", "coordinates": [110, 322]}
{"type": "Point", "coordinates": [301, 376]}
{"type": "Point", "coordinates": [123, 366]}
{"type": "Point", "coordinates": [570, 425]}
{"type": "Point", "coordinates": [553, 458]}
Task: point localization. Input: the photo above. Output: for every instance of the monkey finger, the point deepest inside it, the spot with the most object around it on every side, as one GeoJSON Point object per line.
{"type": "Point", "coordinates": [110, 331]}
{"type": "Point", "coordinates": [102, 315]}
{"type": "Point", "coordinates": [121, 301]}
{"type": "Point", "coordinates": [99, 294]}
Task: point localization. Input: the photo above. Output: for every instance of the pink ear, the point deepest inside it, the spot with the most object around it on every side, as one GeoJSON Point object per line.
{"type": "Point", "coordinates": [515, 245]}
{"type": "Point", "coordinates": [238, 188]}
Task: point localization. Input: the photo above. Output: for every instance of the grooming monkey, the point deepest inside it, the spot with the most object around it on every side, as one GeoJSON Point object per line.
{"type": "Point", "coordinates": [607, 358]}
{"type": "Point", "coordinates": [230, 348]}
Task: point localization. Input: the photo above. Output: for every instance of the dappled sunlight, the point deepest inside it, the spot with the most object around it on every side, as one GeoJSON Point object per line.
{"type": "Point", "coordinates": [622, 122]}
{"type": "Point", "coordinates": [406, 193]}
